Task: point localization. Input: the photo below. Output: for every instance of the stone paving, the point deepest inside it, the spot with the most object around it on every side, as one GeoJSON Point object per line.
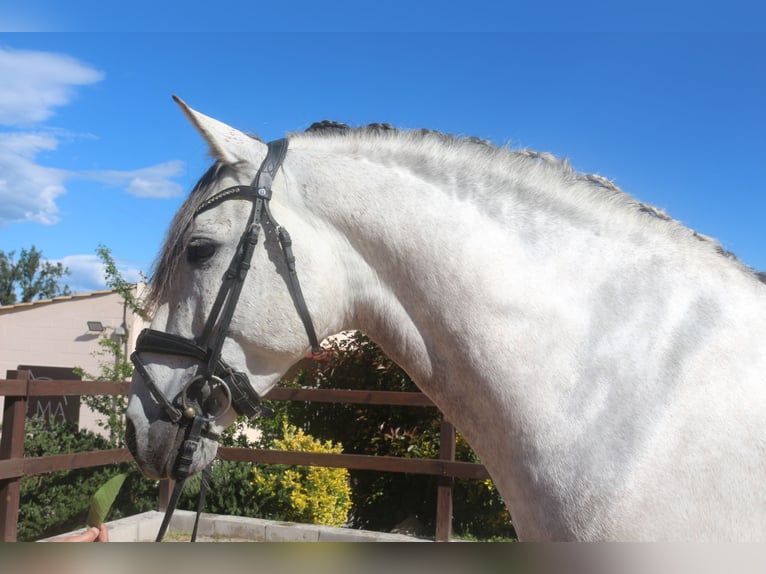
{"type": "Point", "coordinates": [218, 528]}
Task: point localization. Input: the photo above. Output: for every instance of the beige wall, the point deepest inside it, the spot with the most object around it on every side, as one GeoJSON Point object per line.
{"type": "Point", "coordinates": [54, 333]}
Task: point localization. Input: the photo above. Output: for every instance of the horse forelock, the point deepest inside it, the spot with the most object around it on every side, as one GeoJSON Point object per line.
{"type": "Point", "coordinates": [164, 267]}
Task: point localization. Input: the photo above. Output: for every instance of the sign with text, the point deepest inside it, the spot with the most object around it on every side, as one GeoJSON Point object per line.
{"type": "Point", "coordinates": [58, 408]}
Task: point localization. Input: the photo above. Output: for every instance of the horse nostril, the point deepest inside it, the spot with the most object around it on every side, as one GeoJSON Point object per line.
{"type": "Point", "coordinates": [130, 437]}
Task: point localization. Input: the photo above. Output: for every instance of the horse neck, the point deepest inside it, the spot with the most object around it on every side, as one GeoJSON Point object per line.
{"type": "Point", "coordinates": [469, 270]}
{"type": "Point", "coordinates": [440, 258]}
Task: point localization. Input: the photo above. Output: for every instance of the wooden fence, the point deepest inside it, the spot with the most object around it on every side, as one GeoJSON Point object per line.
{"type": "Point", "coordinates": [19, 387]}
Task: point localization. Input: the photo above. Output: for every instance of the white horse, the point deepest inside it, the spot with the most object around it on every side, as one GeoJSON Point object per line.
{"type": "Point", "coordinates": [606, 363]}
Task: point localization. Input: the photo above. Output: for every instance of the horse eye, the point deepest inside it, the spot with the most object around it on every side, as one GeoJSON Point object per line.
{"type": "Point", "coordinates": [200, 251]}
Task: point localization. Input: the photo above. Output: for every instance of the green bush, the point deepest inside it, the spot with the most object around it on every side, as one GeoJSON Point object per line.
{"type": "Point", "coordinates": [310, 494]}
{"type": "Point", "coordinates": [115, 366]}
{"type": "Point", "coordinates": [478, 509]}
{"type": "Point", "coordinates": [313, 495]}
{"type": "Point", "coordinates": [230, 491]}
{"type": "Point", "coordinates": [57, 502]}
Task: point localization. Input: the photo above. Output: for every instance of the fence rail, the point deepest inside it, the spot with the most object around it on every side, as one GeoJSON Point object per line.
{"type": "Point", "coordinates": [18, 387]}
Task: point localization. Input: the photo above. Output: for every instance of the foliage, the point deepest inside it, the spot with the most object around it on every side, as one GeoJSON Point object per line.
{"type": "Point", "coordinates": [478, 508]}
{"type": "Point", "coordinates": [383, 500]}
{"type": "Point", "coordinates": [310, 494]}
{"type": "Point", "coordinates": [58, 502]}
{"type": "Point", "coordinates": [116, 281]}
{"type": "Point", "coordinates": [29, 277]}
{"type": "Point", "coordinates": [101, 501]}
{"type": "Point", "coordinates": [230, 490]}
{"type": "Point", "coordinates": [115, 367]}
{"type": "Point", "coordinates": [115, 363]}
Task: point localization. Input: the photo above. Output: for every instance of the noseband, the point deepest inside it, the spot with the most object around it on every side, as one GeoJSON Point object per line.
{"type": "Point", "coordinates": [216, 375]}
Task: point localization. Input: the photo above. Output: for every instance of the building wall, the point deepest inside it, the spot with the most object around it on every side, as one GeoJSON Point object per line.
{"type": "Point", "coordinates": [54, 333]}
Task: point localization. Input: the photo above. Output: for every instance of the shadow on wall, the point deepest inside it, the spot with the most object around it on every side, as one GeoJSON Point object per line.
{"type": "Point", "coordinates": [87, 337]}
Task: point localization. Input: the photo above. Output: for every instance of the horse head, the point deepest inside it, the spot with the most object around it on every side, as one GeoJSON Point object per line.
{"type": "Point", "coordinates": [223, 334]}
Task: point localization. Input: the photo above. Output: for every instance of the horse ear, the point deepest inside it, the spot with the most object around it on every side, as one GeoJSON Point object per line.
{"type": "Point", "coordinates": [226, 144]}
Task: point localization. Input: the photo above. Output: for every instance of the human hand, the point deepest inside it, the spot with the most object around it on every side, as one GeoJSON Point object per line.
{"type": "Point", "coordinates": [92, 534]}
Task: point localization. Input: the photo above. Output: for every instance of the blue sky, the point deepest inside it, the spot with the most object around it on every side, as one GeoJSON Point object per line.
{"type": "Point", "coordinates": [666, 99]}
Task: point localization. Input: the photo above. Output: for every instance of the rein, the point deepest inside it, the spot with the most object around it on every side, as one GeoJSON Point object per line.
{"type": "Point", "coordinates": [217, 382]}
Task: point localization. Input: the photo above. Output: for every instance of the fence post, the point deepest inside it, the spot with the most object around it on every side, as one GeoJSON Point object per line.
{"type": "Point", "coordinates": [12, 446]}
{"type": "Point", "coordinates": [445, 484]}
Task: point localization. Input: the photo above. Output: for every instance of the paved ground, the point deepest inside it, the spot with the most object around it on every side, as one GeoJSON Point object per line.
{"type": "Point", "coordinates": [218, 528]}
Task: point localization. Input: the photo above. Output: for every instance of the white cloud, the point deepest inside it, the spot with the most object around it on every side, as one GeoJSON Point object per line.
{"type": "Point", "coordinates": [87, 272]}
{"type": "Point", "coordinates": [155, 188]}
{"type": "Point", "coordinates": [33, 84]}
{"type": "Point", "coordinates": [149, 182]}
{"type": "Point", "coordinates": [28, 191]}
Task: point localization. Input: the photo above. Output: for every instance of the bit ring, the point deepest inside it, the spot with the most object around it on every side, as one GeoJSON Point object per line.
{"type": "Point", "coordinates": [190, 412]}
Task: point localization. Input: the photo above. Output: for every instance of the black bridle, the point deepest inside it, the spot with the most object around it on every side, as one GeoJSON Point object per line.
{"type": "Point", "coordinates": [233, 387]}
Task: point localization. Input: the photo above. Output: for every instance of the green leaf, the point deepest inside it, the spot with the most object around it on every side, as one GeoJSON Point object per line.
{"type": "Point", "coordinates": [102, 500]}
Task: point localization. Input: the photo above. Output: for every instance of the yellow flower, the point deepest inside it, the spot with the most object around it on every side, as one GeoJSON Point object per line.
{"type": "Point", "coordinates": [305, 494]}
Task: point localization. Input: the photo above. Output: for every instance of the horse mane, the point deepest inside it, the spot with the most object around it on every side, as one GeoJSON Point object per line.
{"type": "Point", "coordinates": [514, 157]}
{"type": "Point", "coordinates": [486, 151]}
{"type": "Point", "coordinates": [326, 128]}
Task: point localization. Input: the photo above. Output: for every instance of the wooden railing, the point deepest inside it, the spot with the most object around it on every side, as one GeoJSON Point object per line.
{"type": "Point", "coordinates": [19, 387]}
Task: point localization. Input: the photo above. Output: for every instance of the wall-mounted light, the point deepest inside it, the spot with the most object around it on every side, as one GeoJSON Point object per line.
{"type": "Point", "coordinates": [96, 326]}
{"type": "Point", "coordinates": [120, 331]}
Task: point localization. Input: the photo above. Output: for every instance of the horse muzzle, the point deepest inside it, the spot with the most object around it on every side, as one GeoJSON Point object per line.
{"type": "Point", "coordinates": [167, 432]}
